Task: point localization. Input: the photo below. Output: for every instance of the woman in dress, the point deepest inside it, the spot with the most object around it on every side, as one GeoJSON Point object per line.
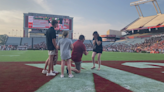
{"type": "Point", "coordinates": [65, 46]}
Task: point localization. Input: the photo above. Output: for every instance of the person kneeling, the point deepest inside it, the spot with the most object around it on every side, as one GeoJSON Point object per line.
{"type": "Point", "coordinates": [77, 53]}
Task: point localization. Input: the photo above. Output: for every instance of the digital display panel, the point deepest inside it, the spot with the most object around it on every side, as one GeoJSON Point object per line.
{"type": "Point", "coordinates": [40, 22]}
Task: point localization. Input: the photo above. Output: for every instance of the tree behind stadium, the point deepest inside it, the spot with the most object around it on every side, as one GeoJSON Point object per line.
{"type": "Point", "coordinates": [3, 39]}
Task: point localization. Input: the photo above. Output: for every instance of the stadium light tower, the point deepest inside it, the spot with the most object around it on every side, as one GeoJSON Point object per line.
{"type": "Point", "coordinates": [137, 3]}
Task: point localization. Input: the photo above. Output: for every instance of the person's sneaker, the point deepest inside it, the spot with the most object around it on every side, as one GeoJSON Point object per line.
{"type": "Point", "coordinates": [62, 76]}
{"type": "Point", "coordinates": [67, 69]}
{"type": "Point", "coordinates": [55, 72]}
{"type": "Point", "coordinates": [50, 74]}
{"type": "Point", "coordinates": [70, 75]}
{"type": "Point", "coordinates": [44, 71]}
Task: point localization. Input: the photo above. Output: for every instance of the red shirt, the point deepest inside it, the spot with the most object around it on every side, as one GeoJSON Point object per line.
{"type": "Point", "coordinates": [78, 50]}
{"type": "Point", "coordinates": [156, 52]}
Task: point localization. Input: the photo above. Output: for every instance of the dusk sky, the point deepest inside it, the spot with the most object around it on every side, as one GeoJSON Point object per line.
{"type": "Point", "coordinates": [89, 15]}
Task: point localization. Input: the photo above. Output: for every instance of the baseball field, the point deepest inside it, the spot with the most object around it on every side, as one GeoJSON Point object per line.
{"type": "Point", "coordinates": [120, 72]}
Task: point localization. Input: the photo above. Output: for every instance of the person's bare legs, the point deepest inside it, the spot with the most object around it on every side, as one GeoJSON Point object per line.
{"type": "Point", "coordinates": [93, 59]}
{"type": "Point", "coordinates": [46, 64]}
{"type": "Point", "coordinates": [62, 67]}
{"type": "Point", "coordinates": [50, 63]}
{"type": "Point", "coordinates": [76, 70]}
{"type": "Point", "coordinates": [99, 60]}
{"type": "Point", "coordinates": [53, 63]}
{"type": "Point", "coordinates": [69, 66]}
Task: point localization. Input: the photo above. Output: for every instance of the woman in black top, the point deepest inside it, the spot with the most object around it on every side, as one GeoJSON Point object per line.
{"type": "Point", "coordinates": [97, 49]}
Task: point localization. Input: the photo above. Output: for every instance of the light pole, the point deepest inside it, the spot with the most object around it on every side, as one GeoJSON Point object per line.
{"type": "Point", "coordinates": [16, 32]}
{"type": "Point", "coordinates": [74, 35]}
{"type": "Point", "coordinates": [12, 33]}
{"type": "Point", "coordinates": [20, 33]}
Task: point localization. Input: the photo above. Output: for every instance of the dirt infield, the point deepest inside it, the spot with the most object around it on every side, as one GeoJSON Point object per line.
{"type": "Point", "coordinates": [18, 77]}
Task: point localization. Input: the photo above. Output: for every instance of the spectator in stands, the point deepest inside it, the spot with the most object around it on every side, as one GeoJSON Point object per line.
{"type": "Point", "coordinates": [163, 51]}
{"type": "Point", "coordinates": [147, 45]}
{"type": "Point", "coordinates": [65, 46]}
{"type": "Point", "coordinates": [78, 50]}
{"type": "Point", "coordinates": [97, 49]}
{"type": "Point", "coordinates": [52, 49]}
{"type": "Point", "coordinates": [157, 52]}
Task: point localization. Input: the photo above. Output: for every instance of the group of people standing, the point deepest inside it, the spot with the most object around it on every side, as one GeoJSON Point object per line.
{"type": "Point", "coordinates": [65, 45]}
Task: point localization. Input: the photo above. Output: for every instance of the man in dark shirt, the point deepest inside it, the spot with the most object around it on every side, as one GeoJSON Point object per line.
{"type": "Point", "coordinates": [52, 49]}
{"type": "Point", "coordinates": [78, 50]}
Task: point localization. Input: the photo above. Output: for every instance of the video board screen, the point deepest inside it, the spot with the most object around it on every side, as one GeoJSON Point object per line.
{"type": "Point", "coordinates": [41, 22]}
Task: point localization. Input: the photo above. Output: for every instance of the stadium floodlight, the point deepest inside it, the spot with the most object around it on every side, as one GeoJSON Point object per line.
{"type": "Point", "coordinates": [137, 3]}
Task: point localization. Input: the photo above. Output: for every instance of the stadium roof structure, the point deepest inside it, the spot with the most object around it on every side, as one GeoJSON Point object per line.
{"type": "Point", "coordinates": [137, 3]}
{"type": "Point", "coordinates": [149, 22]}
{"type": "Point", "coordinates": [48, 15]}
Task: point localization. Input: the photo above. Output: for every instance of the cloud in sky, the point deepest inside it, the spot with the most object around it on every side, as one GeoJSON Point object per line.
{"type": "Point", "coordinates": [88, 16]}
{"type": "Point", "coordinates": [10, 20]}
{"type": "Point", "coordinates": [43, 4]}
{"type": "Point", "coordinates": [12, 15]}
{"type": "Point", "coordinates": [87, 27]}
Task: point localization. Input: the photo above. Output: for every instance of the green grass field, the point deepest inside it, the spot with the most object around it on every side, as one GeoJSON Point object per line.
{"type": "Point", "coordinates": [37, 55]}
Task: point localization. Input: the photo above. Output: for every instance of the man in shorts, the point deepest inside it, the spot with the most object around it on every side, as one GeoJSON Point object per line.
{"type": "Point", "coordinates": [78, 50]}
{"type": "Point", "coordinates": [52, 49]}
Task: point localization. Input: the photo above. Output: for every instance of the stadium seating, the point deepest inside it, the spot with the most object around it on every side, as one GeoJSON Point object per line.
{"type": "Point", "coordinates": [27, 41]}
{"type": "Point", "coordinates": [74, 41]}
{"type": "Point", "coordinates": [38, 40]}
{"type": "Point", "coordinates": [130, 41]}
{"type": "Point", "coordinates": [156, 21]}
{"type": "Point", "coordinates": [119, 42]}
{"type": "Point", "coordinates": [87, 41]}
{"type": "Point", "coordinates": [138, 40]}
{"type": "Point", "coordinates": [13, 41]}
{"type": "Point", "coordinates": [106, 43]}
{"type": "Point", "coordinates": [141, 22]}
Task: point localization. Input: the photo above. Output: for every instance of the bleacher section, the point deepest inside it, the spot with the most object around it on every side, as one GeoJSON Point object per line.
{"type": "Point", "coordinates": [141, 22]}
{"type": "Point", "coordinates": [27, 41]}
{"type": "Point", "coordinates": [105, 43]}
{"type": "Point", "coordinates": [38, 40]}
{"type": "Point", "coordinates": [126, 45]}
{"type": "Point", "coordinates": [13, 41]}
{"type": "Point", "coordinates": [156, 21]}
{"type": "Point", "coordinates": [119, 42]}
{"type": "Point", "coordinates": [87, 41]}
{"type": "Point", "coordinates": [130, 41]}
{"type": "Point", "coordinates": [74, 41]}
{"type": "Point", "coordinates": [136, 40]}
